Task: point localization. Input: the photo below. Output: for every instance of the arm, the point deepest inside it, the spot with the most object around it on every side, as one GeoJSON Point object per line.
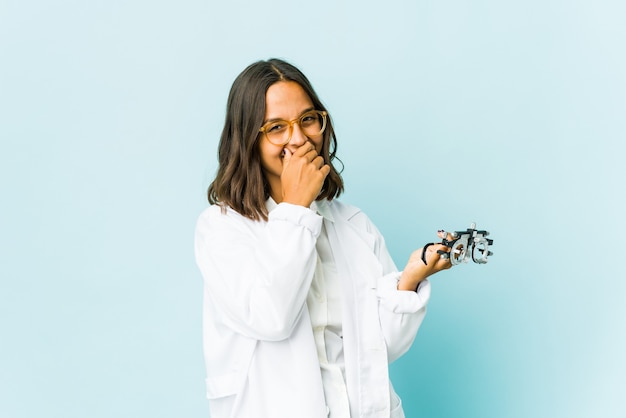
{"type": "Point", "coordinates": [402, 296]}
{"type": "Point", "coordinates": [258, 275]}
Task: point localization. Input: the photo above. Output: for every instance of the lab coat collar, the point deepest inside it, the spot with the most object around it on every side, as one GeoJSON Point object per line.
{"type": "Point", "coordinates": [321, 207]}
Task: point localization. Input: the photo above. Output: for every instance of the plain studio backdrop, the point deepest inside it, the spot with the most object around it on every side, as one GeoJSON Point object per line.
{"type": "Point", "coordinates": [510, 114]}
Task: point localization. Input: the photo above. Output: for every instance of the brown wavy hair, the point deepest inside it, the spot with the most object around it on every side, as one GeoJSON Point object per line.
{"type": "Point", "coordinates": [240, 182]}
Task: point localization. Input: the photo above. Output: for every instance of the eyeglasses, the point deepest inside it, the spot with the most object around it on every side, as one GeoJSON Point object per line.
{"type": "Point", "coordinates": [279, 132]}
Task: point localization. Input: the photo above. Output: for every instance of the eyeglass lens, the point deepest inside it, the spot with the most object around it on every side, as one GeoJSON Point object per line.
{"type": "Point", "coordinates": [312, 124]}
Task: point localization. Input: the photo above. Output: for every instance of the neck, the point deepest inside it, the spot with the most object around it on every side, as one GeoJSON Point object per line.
{"type": "Point", "coordinates": [276, 189]}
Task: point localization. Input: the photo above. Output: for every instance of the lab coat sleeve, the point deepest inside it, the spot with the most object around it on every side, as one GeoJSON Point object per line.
{"type": "Point", "coordinates": [257, 274]}
{"type": "Point", "coordinates": [401, 312]}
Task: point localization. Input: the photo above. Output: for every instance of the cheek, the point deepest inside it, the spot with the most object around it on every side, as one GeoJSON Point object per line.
{"type": "Point", "coordinates": [270, 154]}
{"type": "Point", "coordinates": [318, 142]}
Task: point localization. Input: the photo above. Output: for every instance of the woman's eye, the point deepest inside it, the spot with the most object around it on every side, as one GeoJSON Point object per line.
{"type": "Point", "coordinates": [276, 127]}
{"type": "Point", "coordinates": [309, 119]}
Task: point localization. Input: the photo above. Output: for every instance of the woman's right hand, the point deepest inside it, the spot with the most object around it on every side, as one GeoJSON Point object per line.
{"type": "Point", "coordinates": [303, 175]}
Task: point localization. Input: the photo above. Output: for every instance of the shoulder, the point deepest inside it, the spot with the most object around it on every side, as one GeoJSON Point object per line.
{"type": "Point", "coordinates": [217, 217]}
{"type": "Point", "coordinates": [215, 213]}
{"type": "Point", "coordinates": [351, 214]}
{"type": "Point", "coordinates": [343, 210]}
{"type": "Point", "coordinates": [352, 220]}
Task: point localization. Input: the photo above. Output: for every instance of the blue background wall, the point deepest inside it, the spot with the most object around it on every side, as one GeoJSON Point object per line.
{"type": "Point", "coordinates": [507, 113]}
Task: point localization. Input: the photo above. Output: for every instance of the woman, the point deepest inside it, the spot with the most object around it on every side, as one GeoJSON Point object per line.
{"type": "Point", "coordinates": [303, 306]}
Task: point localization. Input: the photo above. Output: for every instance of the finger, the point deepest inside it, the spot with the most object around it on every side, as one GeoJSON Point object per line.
{"type": "Point", "coordinates": [431, 256]}
{"type": "Point", "coordinates": [318, 162]}
{"type": "Point", "coordinates": [445, 235]}
{"type": "Point", "coordinates": [448, 239]}
{"type": "Point", "coordinates": [286, 155]}
{"type": "Point", "coordinates": [305, 149]}
{"type": "Point", "coordinates": [444, 263]}
{"type": "Point", "coordinates": [438, 261]}
{"type": "Point", "coordinates": [440, 248]}
{"type": "Point", "coordinates": [311, 156]}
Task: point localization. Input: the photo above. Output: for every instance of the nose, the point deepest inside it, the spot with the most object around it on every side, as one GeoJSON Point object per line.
{"type": "Point", "coordinates": [298, 138]}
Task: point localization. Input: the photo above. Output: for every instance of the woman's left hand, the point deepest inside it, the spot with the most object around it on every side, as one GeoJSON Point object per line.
{"type": "Point", "coordinates": [416, 271]}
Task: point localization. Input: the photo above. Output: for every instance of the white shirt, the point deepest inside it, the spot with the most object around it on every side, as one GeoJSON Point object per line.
{"type": "Point", "coordinates": [324, 304]}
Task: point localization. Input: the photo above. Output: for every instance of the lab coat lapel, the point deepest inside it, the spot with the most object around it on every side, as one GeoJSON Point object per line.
{"type": "Point", "coordinates": [364, 346]}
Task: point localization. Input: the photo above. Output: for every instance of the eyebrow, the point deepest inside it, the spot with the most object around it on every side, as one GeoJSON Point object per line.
{"type": "Point", "coordinates": [278, 119]}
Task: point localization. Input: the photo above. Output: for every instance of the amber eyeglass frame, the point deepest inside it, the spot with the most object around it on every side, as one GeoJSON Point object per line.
{"type": "Point", "coordinates": [298, 120]}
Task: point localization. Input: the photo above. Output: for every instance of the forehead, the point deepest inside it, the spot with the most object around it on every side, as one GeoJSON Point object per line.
{"type": "Point", "coordinates": [286, 100]}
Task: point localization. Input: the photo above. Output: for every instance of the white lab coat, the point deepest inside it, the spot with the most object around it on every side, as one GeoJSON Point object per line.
{"type": "Point", "coordinates": [260, 355]}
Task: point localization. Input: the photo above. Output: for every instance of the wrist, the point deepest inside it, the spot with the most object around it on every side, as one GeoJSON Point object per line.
{"type": "Point", "coordinates": [409, 283]}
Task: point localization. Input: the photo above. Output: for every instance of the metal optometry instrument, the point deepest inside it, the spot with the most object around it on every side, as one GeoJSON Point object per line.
{"type": "Point", "coordinates": [471, 243]}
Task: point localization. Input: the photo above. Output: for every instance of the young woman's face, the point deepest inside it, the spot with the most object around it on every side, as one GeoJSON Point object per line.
{"type": "Point", "coordinates": [288, 101]}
